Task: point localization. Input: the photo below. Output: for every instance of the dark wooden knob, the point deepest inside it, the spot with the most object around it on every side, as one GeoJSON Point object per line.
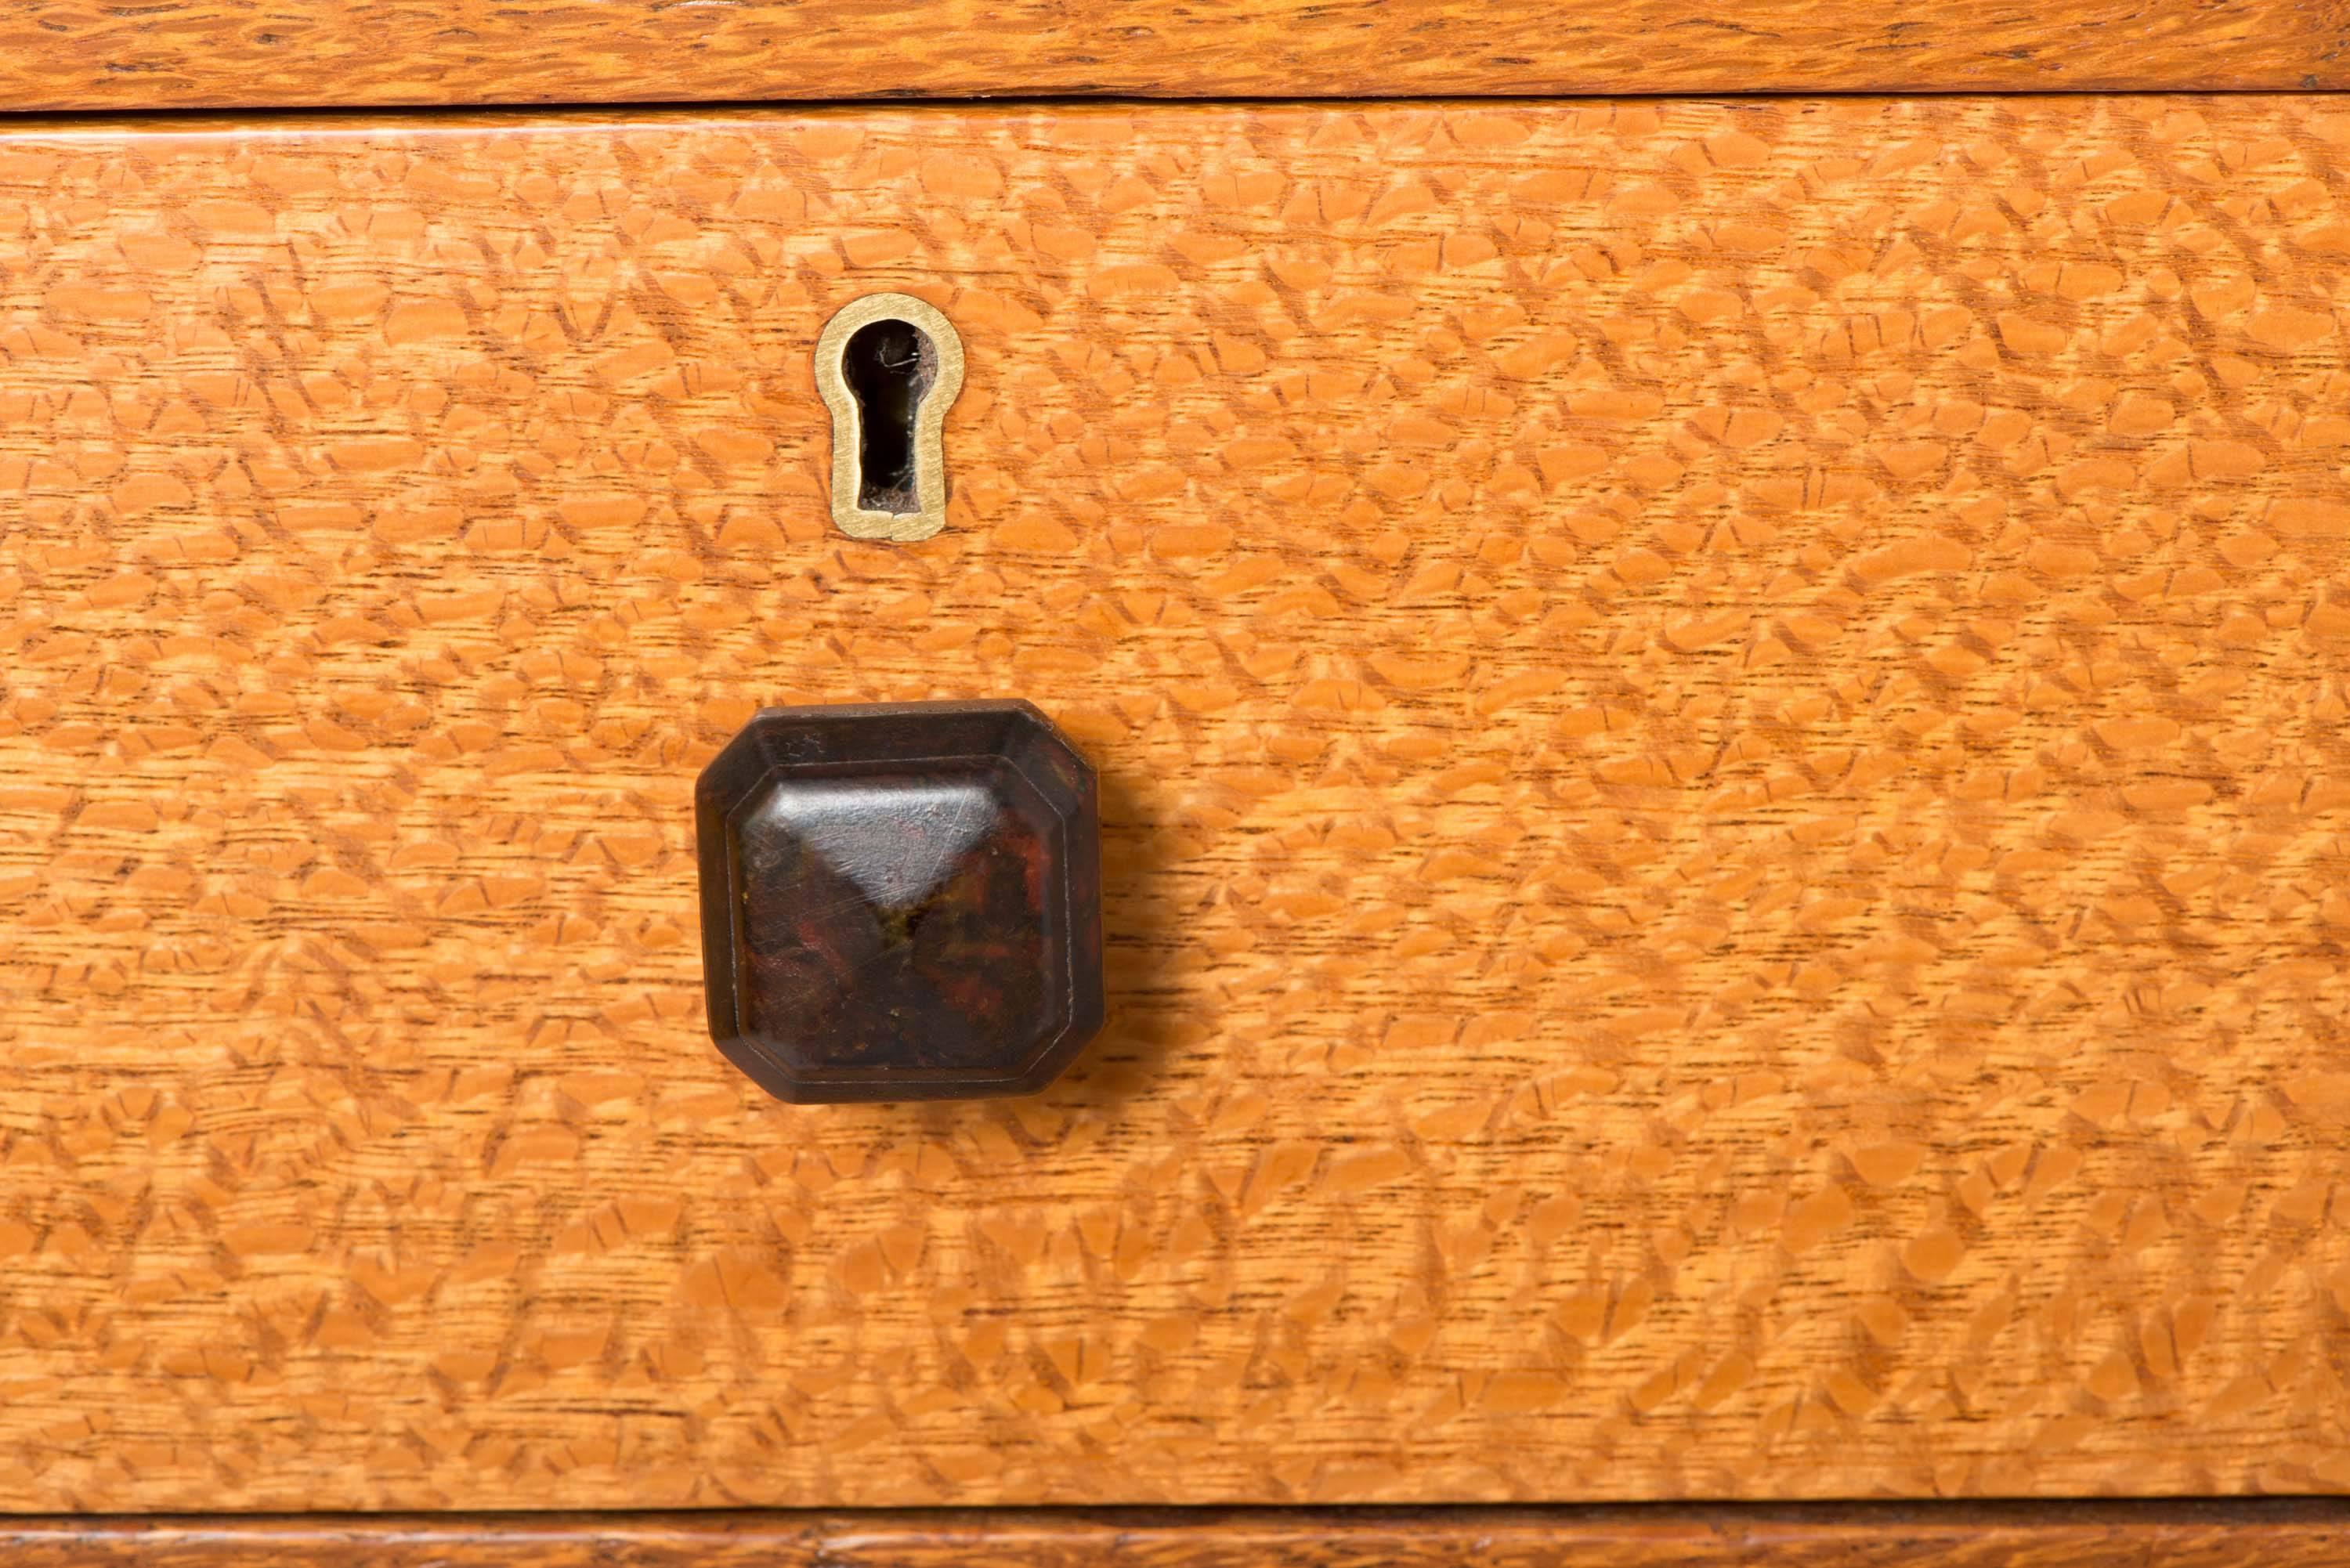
{"type": "Point", "coordinates": [900, 901]}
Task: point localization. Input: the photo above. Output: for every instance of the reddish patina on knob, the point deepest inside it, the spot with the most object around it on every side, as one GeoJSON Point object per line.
{"type": "Point", "coordinates": [900, 901]}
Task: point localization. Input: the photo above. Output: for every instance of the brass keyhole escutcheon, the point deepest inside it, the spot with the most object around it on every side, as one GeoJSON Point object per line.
{"type": "Point", "coordinates": [888, 367]}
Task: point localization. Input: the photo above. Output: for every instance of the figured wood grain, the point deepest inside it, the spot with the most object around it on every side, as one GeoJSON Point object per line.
{"type": "Point", "coordinates": [1723, 774]}
{"type": "Point", "coordinates": [298, 54]}
{"type": "Point", "coordinates": [2264, 1535]}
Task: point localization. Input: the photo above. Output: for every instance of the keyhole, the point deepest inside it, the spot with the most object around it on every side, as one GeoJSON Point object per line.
{"type": "Point", "coordinates": [889, 365]}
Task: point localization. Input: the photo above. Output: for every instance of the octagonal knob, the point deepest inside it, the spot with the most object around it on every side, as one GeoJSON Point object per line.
{"type": "Point", "coordinates": [900, 901]}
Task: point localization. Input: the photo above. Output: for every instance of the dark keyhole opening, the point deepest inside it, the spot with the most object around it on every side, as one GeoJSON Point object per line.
{"type": "Point", "coordinates": [889, 365]}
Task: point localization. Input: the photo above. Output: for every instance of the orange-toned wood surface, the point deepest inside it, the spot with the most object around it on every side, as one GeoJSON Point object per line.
{"type": "Point", "coordinates": [1723, 729]}
{"type": "Point", "coordinates": [2260, 1534]}
{"type": "Point", "coordinates": [298, 53]}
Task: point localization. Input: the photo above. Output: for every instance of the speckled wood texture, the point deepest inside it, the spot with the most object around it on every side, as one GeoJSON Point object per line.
{"type": "Point", "coordinates": [1723, 779]}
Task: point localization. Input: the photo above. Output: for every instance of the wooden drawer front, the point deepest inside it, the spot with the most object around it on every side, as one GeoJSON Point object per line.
{"type": "Point", "coordinates": [1724, 776]}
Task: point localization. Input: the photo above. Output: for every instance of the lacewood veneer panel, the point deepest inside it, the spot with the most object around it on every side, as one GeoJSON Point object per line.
{"type": "Point", "coordinates": [1724, 794]}
{"type": "Point", "coordinates": [295, 54]}
{"type": "Point", "coordinates": [1933, 1535]}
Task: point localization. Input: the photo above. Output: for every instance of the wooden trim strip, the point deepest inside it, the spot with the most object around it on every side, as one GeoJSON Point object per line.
{"type": "Point", "coordinates": [221, 54]}
{"type": "Point", "coordinates": [2271, 1534]}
